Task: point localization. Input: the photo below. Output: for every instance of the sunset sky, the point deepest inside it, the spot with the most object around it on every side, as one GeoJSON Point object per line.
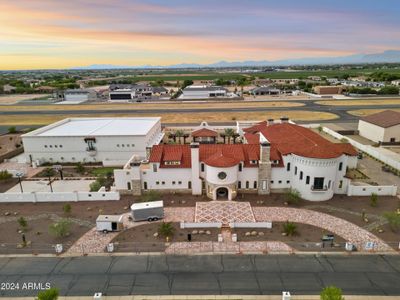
{"type": "Point", "coordinates": [37, 34]}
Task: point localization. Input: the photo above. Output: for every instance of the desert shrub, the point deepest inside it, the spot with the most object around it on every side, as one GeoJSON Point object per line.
{"type": "Point", "coordinates": [67, 208]}
{"type": "Point", "coordinates": [23, 223]}
{"type": "Point", "coordinates": [166, 229]}
{"type": "Point", "coordinates": [12, 129]}
{"type": "Point", "coordinates": [48, 172]}
{"type": "Point", "coordinates": [60, 229]}
{"type": "Point", "coordinates": [290, 228]}
{"type": "Point", "coordinates": [50, 294]}
{"type": "Point", "coordinates": [331, 293]}
{"type": "Point", "coordinates": [4, 175]}
{"type": "Point", "coordinates": [374, 200]}
{"type": "Point", "coordinates": [151, 195]}
{"type": "Point", "coordinates": [293, 196]}
{"type": "Point", "coordinates": [80, 168]}
{"type": "Point", "coordinates": [394, 220]}
{"type": "Point", "coordinates": [95, 186]}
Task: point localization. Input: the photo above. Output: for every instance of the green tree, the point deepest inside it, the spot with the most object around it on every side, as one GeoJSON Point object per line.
{"type": "Point", "coordinates": [292, 196]}
{"type": "Point", "coordinates": [60, 229]}
{"type": "Point", "coordinates": [166, 230]}
{"type": "Point", "coordinates": [186, 83]}
{"type": "Point", "coordinates": [12, 129]}
{"type": "Point", "coordinates": [290, 228]}
{"type": "Point", "coordinates": [229, 133]}
{"type": "Point", "coordinates": [50, 294]}
{"type": "Point", "coordinates": [331, 293]}
{"type": "Point", "coordinates": [374, 200]}
{"type": "Point", "coordinates": [394, 220]}
{"type": "Point", "coordinates": [389, 90]}
{"type": "Point", "coordinates": [179, 134]}
{"type": "Point", "coordinates": [48, 172]}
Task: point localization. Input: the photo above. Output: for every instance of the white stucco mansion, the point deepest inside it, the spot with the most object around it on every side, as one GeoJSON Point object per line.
{"type": "Point", "coordinates": [274, 157]}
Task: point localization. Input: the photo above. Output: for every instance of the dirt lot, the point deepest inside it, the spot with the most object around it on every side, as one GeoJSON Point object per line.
{"type": "Point", "coordinates": [5, 185]}
{"type": "Point", "coordinates": [173, 117]}
{"type": "Point", "coordinates": [13, 99]}
{"type": "Point", "coordinates": [37, 236]}
{"type": "Point", "coordinates": [366, 112]}
{"type": "Point", "coordinates": [9, 142]}
{"type": "Point", "coordinates": [376, 102]}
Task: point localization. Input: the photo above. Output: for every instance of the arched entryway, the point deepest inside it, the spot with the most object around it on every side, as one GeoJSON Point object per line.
{"type": "Point", "coordinates": [222, 193]}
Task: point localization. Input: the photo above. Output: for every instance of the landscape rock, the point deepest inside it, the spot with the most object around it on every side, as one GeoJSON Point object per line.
{"type": "Point", "coordinates": [126, 207]}
{"type": "Point", "coordinates": [201, 231]}
{"type": "Point", "coordinates": [195, 232]}
{"type": "Point", "coordinates": [261, 233]}
{"type": "Point", "coordinates": [155, 234]}
{"type": "Point", "coordinates": [254, 233]}
{"type": "Point", "coordinates": [183, 201]}
{"type": "Point", "coordinates": [15, 213]}
{"type": "Point", "coordinates": [208, 232]}
{"type": "Point", "coordinates": [247, 233]}
{"type": "Point", "coordinates": [284, 234]}
{"type": "Point", "coordinates": [7, 213]}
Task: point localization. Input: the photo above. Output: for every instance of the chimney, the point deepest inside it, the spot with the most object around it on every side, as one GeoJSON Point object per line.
{"type": "Point", "coordinates": [284, 120]}
{"type": "Point", "coordinates": [270, 122]}
{"type": "Point", "coordinates": [265, 149]}
{"type": "Point", "coordinates": [195, 162]}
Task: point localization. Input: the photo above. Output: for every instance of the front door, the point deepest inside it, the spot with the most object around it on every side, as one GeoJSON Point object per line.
{"type": "Point", "coordinates": [222, 193]}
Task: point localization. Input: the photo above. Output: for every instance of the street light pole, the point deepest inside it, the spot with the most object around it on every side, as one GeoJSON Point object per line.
{"type": "Point", "coordinates": [51, 187]}
{"type": "Point", "coordinates": [20, 184]}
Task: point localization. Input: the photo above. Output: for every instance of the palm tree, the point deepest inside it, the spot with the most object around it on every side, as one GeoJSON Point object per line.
{"type": "Point", "coordinates": [235, 136]}
{"type": "Point", "coordinates": [229, 132]}
{"type": "Point", "coordinates": [179, 134]}
{"type": "Point", "coordinates": [223, 136]}
{"type": "Point", "coordinates": [172, 136]}
{"type": "Point", "coordinates": [185, 136]}
{"type": "Point", "coordinates": [166, 230]}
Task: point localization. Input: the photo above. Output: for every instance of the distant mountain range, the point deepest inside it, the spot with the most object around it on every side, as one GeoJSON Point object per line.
{"type": "Point", "coordinates": [389, 56]}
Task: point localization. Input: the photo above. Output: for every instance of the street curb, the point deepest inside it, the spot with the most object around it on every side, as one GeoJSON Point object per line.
{"type": "Point", "coordinates": [349, 254]}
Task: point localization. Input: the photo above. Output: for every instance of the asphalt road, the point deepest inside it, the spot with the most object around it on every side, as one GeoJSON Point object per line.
{"type": "Point", "coordinates": [194, 275]}
{"type": "Point", "coordinates": [310, 105]}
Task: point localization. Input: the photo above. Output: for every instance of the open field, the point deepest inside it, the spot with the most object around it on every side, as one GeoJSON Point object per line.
{"type": "Point", "coordinates": [13, 99]}
{"type": "Point", "coordinates": [360, 102]}
{"type": "Point", "coordinates": [366, 112]}
{"type": "Point", "coordinates": [176, 117]}
{"type": "Point", "coordinates": [133, 106]}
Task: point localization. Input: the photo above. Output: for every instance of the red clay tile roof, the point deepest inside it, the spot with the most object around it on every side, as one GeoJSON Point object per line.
{"type": "Point", "coordinates": [204, 132]}
{"type": "Point", "coordinates": [289, 138]}
{"type": "Point", "coordinates": [256, 128]}
{"type": "Point", "coordinates": [252, 138]}
{"type": "Point", "coordinates": [385, 119]}
{"type": "Point", "coordinates": [208, 153]}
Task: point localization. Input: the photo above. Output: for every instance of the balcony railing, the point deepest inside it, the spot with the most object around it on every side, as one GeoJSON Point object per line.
{"type": "Point", "coordinates": [319, 188]}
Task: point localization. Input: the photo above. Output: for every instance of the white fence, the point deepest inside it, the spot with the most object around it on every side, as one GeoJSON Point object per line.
{"type": "Point", "coordinates": [251, 225]}
{"type": "Point", "coordinates": [200, 225]}
{"type": "Point", "coordinates": [58, 196]}
{"type": "Point", "coordinates": [367, 190]}
{"type": "Point", "coordinates": [373, 151]}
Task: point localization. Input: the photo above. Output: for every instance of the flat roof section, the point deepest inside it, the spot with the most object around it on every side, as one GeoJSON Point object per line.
{"type": "Point", "coordinates": [97, 127]}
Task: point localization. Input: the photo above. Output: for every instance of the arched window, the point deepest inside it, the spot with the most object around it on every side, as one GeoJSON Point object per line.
{"type": "Point", "coordinates": [239, 184]}
{"type": "Point", "coordinates": [288, 167]}
{"type": "Point", "coordinates": [340, 166]}
{"type": "Point", "coordinates": [301, 175]}
{"type": "Point", "coordinates": [255, 184]}
{"type": "Point", "coordinates": [247, 184]}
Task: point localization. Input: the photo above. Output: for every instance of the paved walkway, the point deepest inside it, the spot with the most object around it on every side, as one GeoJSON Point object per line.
{"type": "Point", "coordinates": [224, 211]}
{"type": "Point", "coordinates": [349, 231]}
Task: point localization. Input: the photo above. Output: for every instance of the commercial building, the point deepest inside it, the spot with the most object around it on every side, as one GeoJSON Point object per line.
{"type": "Point", "coordinates": [130, 92]}
{"type": "Point", "coordinates": [382, 127]}
{"type": "Point", "coordinates": [328, 90]}
{"type": "Point", "coordinates": [78, 95]}
{"type": "Point", "coordinates": [111, 141]}
{"type": "Point", "coordinates": [275, 157]}
{"type": "Point", "coordinates": [265, 90]}
{"type": "Point", "coordinates": [203, 92]}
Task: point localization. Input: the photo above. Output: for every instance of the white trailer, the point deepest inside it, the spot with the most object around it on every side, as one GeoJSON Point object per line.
{"type": "Point", "coordinates": [150, 211]}
{"type": "Point", "coordinates": [109, 223]}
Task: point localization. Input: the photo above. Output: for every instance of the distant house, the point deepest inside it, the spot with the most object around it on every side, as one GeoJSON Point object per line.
{"type": "Point", "coordinates": [8, 88]}
{"type": "Point", "coordinates": [382, 127]}
{"type": "Point", "coordinates": [204, 92]}
{"type": "Point", "coordinates": [129, 92]}
{"type": "Point", "coordinates": [265, 90]}
{"type": "Point", "coordinates": [396, 82]}
{"type": "Point", "coordinates": [328, 90]}
{"type": "Point", "coordinates": [45, 89]}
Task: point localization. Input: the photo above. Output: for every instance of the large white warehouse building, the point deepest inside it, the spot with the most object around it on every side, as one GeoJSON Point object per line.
{"type": "Point", "coordinates": [277, 156]}
{"type": "Point", "coordinates": [111, 141]}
